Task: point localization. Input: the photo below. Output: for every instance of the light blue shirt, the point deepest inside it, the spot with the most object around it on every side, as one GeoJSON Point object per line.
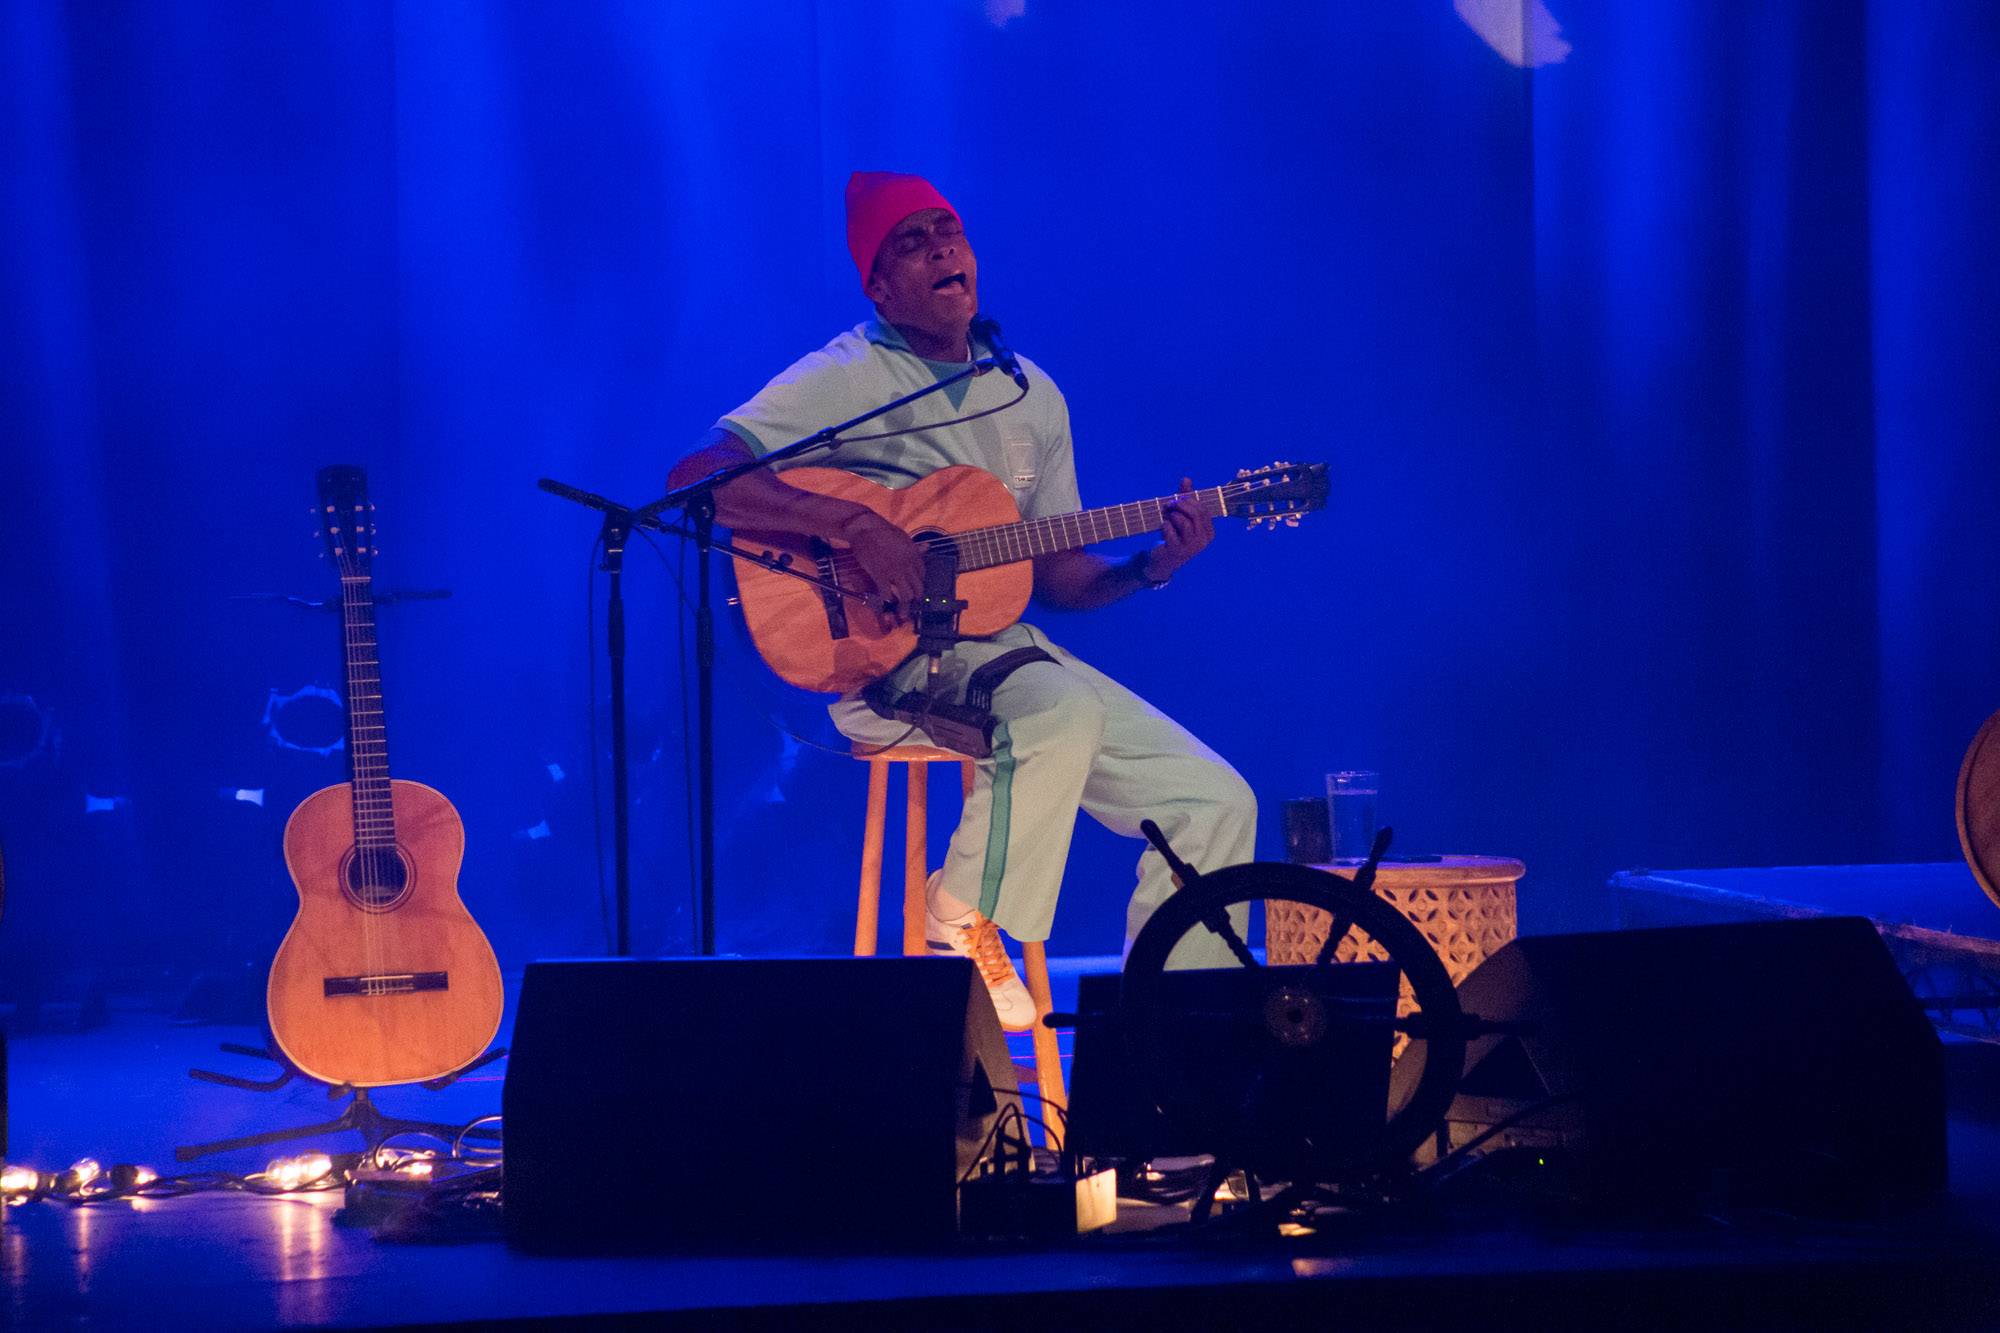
{"type": "Point", "coordinates": [1026, 445]}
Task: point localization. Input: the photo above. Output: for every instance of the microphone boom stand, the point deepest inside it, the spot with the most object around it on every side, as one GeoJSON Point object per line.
{"type": "Point", "coordinates": [696, 501]}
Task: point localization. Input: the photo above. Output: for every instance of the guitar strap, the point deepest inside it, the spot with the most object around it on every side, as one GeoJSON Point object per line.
{"type": "Point", "coordinates": [965, 727]}
{"type": "Point", "coordinates": [979, 686]}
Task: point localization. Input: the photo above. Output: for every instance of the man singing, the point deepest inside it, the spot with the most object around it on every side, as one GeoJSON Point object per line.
{"type": "Point", "coordinates": [1068, 737]}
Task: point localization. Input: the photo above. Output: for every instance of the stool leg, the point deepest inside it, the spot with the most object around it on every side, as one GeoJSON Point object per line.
{"type": "Point", "coordinates": [915, 855]}
{"type": "Point", "coordinates": [867, 910]}
{"type": "Point", "coordinates": [1048, 1056]}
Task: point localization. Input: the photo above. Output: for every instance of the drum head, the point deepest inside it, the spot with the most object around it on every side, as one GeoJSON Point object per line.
{"type": "Point", "coordinates": [1979, 807]}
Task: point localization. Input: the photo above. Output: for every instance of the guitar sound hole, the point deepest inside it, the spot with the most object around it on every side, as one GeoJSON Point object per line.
{"type": "Point", "coordinates": [376, 877]}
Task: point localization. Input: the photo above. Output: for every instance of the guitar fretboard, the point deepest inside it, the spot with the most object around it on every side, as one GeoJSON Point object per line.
{"type": "Point", "coordinates": [982, 548]}
{"type": "Point", "coordinates": [367, 739]}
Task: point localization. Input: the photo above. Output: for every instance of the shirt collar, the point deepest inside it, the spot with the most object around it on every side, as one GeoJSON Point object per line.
{"type": "Point", "coordinates": [888, 335]}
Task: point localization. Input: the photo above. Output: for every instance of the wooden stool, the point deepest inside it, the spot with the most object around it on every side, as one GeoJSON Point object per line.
{"type": "Point", "coordinates": [916, 874]}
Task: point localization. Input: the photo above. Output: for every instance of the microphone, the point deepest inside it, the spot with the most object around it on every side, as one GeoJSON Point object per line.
{"type": "Point", "coordinates": [988, 332]}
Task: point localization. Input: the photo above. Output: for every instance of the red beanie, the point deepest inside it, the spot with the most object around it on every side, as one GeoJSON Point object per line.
{"type": "Point", "coordinates": [876, 202]}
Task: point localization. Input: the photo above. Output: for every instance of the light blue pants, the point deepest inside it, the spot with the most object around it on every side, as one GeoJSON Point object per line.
{"type": "Point", "coordinates": [1072, 738]}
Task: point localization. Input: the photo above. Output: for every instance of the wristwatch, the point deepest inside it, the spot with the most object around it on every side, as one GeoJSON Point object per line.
{"type": "Point", "coordinates": [1135, 568]}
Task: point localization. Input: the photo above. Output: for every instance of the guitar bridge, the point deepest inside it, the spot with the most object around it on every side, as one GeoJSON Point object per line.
{"type": "Point", "coordinates": [836, 605]}
{"type": "Point", "coordinates": [387, 983]}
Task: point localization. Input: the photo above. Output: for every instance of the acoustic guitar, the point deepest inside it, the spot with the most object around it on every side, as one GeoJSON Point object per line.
{"type": "Point", "coordinates": [811, 635]}
{"type": "Point", "coordinates": [383, 977]}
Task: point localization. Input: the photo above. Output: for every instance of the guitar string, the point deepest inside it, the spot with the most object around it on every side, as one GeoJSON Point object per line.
{"type": "Point", "coordinates": [1008, 543]}
{"type": "Point", "coordinates": [354, 750]}
{"type": "Point", "coordinates": [383, 864]}
{"type": "Point", "coordinates": [372, 796]}
{"type": "Point", "coordinates": [354, 754]}
{"type": "Point", "coordinates": [360, 756]}
{"type": "Point", "coordinates": [1012, 542]}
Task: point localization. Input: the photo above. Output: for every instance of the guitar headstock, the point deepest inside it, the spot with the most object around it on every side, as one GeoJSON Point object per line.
{"type": "Point", "coordinates": [1281, 493]}
{"type": "Point", "coordinates": [347, 519]}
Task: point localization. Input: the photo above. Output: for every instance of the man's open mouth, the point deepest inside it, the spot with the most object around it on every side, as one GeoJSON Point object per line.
{"type": "Point", "coordinates": [945, 284]}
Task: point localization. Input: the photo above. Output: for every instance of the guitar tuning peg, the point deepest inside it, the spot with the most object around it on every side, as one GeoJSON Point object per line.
{"type": "Point", "coordinates": [1242, 472]}
{"type": "Point", "coordinates": [1291, 520]}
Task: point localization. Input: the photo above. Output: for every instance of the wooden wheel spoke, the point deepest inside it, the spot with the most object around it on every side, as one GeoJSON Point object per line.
{"type": "Point", "coordinates": [1336, 931]}
{"type": "Point", "coordinates": [1220, 923]}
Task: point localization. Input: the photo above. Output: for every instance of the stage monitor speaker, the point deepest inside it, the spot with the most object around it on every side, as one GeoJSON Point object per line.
{"type": "Point", "coordinates": [732, 1104]}
{"type": "Point", "coordinates": [1781, 1062]}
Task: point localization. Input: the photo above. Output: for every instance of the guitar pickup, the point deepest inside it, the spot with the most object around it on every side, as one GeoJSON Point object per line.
{"type": "Point", "coordinates": [387, 983]}
{"type": "Point", "coordinates": [836, 605]}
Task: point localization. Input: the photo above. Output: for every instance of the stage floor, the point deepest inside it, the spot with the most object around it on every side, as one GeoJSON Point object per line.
{"type": "Point", "coordinates": [120, 1093]}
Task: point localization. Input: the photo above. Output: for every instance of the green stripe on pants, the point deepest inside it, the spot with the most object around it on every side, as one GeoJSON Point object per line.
{"type": "Point", "coordinates": [998, 806]}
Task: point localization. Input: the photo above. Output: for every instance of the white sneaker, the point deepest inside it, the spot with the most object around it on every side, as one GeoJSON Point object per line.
{"type": "Point", "coordinates": [979, 939]}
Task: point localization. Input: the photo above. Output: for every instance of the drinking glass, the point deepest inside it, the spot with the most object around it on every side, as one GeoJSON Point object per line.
{"type": "Point", "coordinates": [1350, 811]}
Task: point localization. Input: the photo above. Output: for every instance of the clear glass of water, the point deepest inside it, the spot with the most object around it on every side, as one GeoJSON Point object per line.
{"type": "Point", "coordinates": [1350, 811]}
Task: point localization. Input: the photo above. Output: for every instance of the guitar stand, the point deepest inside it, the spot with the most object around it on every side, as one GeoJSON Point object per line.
{"type": "Point", "coordinates": [360, 1114]}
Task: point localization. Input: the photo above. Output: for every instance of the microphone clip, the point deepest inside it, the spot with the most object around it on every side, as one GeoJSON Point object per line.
{"type": "Point", "coordinates": [938, 610]}
{"type": "Point", "coordinates": [987, 330]}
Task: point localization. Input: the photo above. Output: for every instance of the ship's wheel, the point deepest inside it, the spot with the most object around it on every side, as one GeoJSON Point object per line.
{"type": "Point", "coordinates": [1280, 1104]}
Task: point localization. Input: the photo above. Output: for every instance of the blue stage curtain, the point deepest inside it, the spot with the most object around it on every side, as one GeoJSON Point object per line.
{"type": "Point", "coordinates": [1934, 302]}
{"type": "Point", "coordinates": [1764, 295]}
{"type": "Point", "coordinates": [1656, 384]}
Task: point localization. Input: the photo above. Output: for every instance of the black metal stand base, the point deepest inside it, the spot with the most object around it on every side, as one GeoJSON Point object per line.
{"type": "Point", "coordinates": [361, 1114]}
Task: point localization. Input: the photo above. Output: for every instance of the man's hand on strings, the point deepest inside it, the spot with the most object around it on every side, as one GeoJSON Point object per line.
{"type": "Point", "coordinates": [1185, 529]}
{"type": "Point", "coordinates": [893, 562]}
